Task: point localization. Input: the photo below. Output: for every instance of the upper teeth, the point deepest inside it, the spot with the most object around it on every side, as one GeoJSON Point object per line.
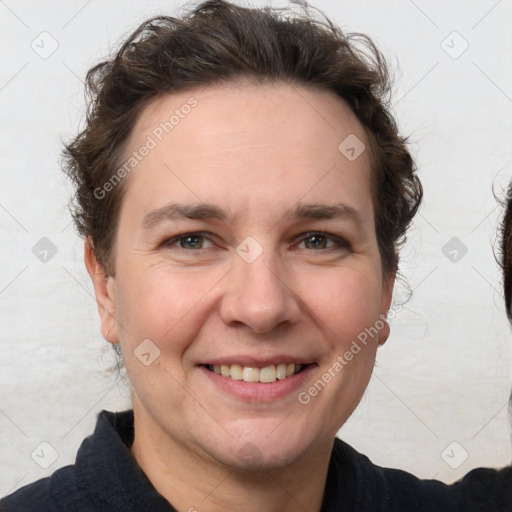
{"type": "Point", "coordinates": [252, 374]}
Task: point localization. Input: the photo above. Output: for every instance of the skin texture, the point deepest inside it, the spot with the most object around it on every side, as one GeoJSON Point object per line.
{"type": "Point", "coordinates": [256, 151]}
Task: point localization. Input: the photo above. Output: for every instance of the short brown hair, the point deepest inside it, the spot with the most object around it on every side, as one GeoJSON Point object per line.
{"type": "Point", "coordinates": [506, 259]}
{"type": "Point", "coordinates": [506, 252]}
{"type": "Point", "coordinates": [220, 42]}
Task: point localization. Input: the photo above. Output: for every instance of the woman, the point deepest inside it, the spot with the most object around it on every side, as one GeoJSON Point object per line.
{"type": "Point", "coordinates": [242, 191]}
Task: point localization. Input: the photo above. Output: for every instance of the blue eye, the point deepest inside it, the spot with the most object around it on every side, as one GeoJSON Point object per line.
{"type": "Point", "coordinates": [191, 241]}
{"type": "Point", "coordinates": [319, 241]}
{"type": "Point", "coordinates": [187, 241]}
{"type": "Point", "coordinates": [316, 241]}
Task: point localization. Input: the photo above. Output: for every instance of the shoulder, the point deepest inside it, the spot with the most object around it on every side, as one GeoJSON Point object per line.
{"type": "Point", "coordinates": [105, 477]}
{"type": "Point", "coordinates": [393, 490]}
{"type": "Point", "coordinates": [491, 489]}
{"type": "Point", "coordinates": [379, 489]}
{"type": "Point", "coordinates": [76, 487]}
{"type": "Point", "coordinates": [57, 493]}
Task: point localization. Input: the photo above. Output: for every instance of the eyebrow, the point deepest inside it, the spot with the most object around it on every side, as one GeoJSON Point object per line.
{"type": "Point", "coordinates": [326, 212]}
{"type": "Point", "coordinates": [173, 211]}
{"type": "Point", "coordinates": [205, 211]}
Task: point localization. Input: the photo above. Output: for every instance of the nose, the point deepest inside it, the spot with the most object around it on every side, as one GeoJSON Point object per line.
{"type": "Point", "coordinates": [258, 297]}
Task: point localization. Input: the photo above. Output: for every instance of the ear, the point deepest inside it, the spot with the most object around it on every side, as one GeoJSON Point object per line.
{"type": "Point", "coordinates": [385, 303]}
{"type": "Point", "coordinates": [104, 289]}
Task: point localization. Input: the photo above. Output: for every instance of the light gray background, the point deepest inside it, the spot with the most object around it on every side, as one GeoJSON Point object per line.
{"type": "Point", "coordinates": [444, 375]}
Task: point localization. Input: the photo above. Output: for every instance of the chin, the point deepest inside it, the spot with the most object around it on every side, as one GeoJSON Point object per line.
{"type": "Point", "coordinates": [260, 448]}
{"type": "Point", "coordinates": [252, 458]}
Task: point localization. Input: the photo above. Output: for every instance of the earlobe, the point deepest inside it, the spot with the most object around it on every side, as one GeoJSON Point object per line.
{"type": "Point", "coordinates": [387, 294]}
{"type": "Point", "coordinates": [384, 332]}
{"type": "Point", "coordinates": [104, 291]}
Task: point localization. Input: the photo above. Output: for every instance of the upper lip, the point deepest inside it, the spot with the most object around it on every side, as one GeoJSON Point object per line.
{"type": "Point", "coordinates": [257, 362]}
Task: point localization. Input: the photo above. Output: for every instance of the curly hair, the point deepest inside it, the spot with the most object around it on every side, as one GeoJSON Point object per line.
{"type": "Point", "coordinates": [219, 42]}
{"type": "Point", "coordinates": [505, 254]}
{"type": "Point", "coordinates": [505, 259]}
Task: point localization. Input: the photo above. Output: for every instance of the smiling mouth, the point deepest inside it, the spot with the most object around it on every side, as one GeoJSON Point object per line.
{"type": "Point", "coordinates": [268, 374]}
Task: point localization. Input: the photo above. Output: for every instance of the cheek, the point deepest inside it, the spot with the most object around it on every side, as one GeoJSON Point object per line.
{"type": "Point", "coordinates": [167, 308]}
{"type": "Point", "coordinates": [346, 302]}
{"type": "Point", "coordinates": [164, 305]}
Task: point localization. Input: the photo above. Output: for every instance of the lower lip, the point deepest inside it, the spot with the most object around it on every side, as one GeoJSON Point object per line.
{"type": "Point", "coordinates": [258, 391]}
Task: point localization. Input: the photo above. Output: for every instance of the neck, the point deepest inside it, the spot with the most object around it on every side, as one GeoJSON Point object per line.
{"type": "Point", "coordinates": [192, 481]}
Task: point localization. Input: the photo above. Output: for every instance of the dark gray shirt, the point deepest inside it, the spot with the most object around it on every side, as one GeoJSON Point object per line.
{"type": "Point", "coordinates": [106, 478]}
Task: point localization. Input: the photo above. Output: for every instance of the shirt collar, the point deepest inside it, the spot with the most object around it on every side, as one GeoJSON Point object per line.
{"type": "Point", "coordinates": [107, 472]}
{"type": "Point", "coordinates": [110, 477]}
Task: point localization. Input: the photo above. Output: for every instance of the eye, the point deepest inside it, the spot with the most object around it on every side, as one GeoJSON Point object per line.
{"type": "Point", "coordinates": [191, 242]}
{"type": "Point", "coordinates": [319, 241]}
{"type": "Point", "coordinates": [188, 241]}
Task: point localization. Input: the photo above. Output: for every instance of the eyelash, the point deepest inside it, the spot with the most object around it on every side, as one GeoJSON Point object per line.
{"type": "Point", "coordinates": [340, 242]}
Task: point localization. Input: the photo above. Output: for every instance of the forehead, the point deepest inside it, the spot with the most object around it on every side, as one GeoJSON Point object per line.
{"type": "Point", "coordinates": [246, 143]}
{"type": "Point", "coordinates": [243, 108]}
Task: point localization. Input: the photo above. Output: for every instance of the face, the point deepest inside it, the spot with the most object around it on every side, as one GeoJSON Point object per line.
{"type": "Point", "coordinates": [246, 241]}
